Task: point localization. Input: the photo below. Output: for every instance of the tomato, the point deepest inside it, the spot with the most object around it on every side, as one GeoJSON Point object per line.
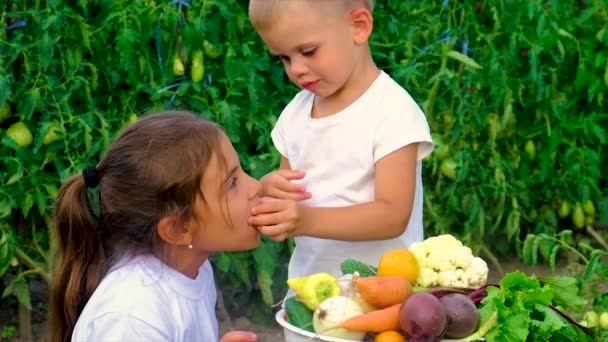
{"type": "Point", "coordinates": [51, 135]}
{"type": "Point", "coordinates": [178, 66]}
{"type": "Point", "coordinates": [132, 118]}
{"type": "Point", "coordinates": [211, 50]}
{"type": "Point", "coordinates": [14, 262]}
{"type": "Point", "coordinates": [564, 209]}
{"type": "Point", "coordinates": [589, 208]}
{"type": "Point", "coordinates": [589, 220]}
{"type": "Point", "coordinates": [20, 134]}
{"type": "Point", "coordinates": [448, 168]}
{"type": "Point", "coordinates": [5, 112]}
{"type": "Point", "coordinates": [530, 149]}
{"type": "Point", "coordinates": [603, 320]}
{"type": "Point", "coordinates": [198, 68]}
{"type": "Point", "coordinates": [578, 216]}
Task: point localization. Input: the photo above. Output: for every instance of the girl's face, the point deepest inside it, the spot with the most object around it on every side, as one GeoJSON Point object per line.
{"type": "Point", "coordinates": [230, 194]}
{"type": "Point", "coordinates": [317, 49]}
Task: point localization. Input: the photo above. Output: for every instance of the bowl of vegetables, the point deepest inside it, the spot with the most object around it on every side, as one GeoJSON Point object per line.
{"type": "Point", "coordinates": [295, 334]}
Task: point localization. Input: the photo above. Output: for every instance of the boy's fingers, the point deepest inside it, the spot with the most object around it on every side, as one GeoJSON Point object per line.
{"type": "Point", "coordinates": [277, 232]}
{"type": "Point", "coordinates": [265, 219]}
{"type": "Point", "coordinates": [294, 196]}
{"type": "Point", "coordinates": [291, 174]}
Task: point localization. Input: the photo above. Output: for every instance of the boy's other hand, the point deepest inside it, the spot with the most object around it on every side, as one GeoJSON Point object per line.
{"type": "Point", "coordinates": [278, 184]}
{"type": "Point", "coordinates": [239, 336]}
{"type": "Point", "coordinates": [276, 218]}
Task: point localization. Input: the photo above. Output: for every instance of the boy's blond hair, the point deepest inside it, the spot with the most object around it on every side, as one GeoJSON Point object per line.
{"type": "Point", "coordinates": [264, 12]}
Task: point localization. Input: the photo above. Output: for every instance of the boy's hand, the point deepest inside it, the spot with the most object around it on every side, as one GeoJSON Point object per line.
{"type": "Point", "coordinates": [278, 184]}
{"type": "Point", "coordinates": [276, 218]}
{"type": "Point", "coordinates": [239, 336]}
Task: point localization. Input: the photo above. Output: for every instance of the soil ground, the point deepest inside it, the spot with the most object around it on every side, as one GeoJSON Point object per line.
{"type": "Point", "coordinates": [271, 333]}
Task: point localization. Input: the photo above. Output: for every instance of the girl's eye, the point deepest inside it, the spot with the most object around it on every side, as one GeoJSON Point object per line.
{"type": "Point", "coordinates": [283, 59]}
{"type": "Point", "coordinates": [233, 182]}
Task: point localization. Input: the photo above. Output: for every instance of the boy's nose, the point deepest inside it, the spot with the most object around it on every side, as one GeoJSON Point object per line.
{"type": "Point", "coordinates": [298, 68]}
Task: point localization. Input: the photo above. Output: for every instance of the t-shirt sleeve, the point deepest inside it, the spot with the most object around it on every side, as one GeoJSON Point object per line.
{"type": "Point", "coordinates": [122, 327]}
{"type": "Point", "coordinates": [402, 125]}
{"type": "Point", "coordinates": [278, 136]}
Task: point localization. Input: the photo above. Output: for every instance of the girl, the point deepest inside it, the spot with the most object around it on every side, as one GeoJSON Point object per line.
{"type": "Point", "coordinates": [132, 260]}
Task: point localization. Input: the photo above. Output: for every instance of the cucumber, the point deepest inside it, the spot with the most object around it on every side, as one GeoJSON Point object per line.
{"type": "Point", "coordinates": [298, 314]}
{"type": "Point", "coordinates": [350, 266]}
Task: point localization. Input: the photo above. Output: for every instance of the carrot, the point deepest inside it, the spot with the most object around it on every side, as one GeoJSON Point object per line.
{"type": "Point", "coordinates": [383, 292]}
{"type": "Point", "coordinates": [375, 321]}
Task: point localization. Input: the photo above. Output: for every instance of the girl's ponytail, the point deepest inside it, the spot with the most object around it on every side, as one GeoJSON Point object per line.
{"type": "Point", "coordinates": [80, 262]}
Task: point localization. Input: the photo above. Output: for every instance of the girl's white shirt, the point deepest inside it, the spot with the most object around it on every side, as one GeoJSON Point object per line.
{"type": "Point", "coordinates": [143, 299]}
{"type": "Point", "coordinates": [338, 154]}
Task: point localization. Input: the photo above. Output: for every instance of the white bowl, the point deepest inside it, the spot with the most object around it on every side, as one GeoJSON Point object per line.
{"type": "Point", "coordinates": [295, 334]}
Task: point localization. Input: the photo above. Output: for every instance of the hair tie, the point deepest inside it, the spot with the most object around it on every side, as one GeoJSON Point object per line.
{"type": "Point", "coordinates": [91, 178]}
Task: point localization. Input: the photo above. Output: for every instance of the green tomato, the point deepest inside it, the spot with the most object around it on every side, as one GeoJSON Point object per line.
{"type": "Point", "coordinates": [564, 209]}
{"type": "Point", "coordinates": [591, 319]}
{"type": "Point", "coordinates": [211, 50]}
{"type": "Point", "coordinates": [51, 135]}
{"type": "Point", "coordinates": [5, 112]}
{"type": "Point", "coordinates": [530, 149]}
{"type": "Point", "coordinates": [198, 68]}
{"type": "Point", "coordinates": [448, 168]}
{"type": "Point", "coordinates": [132, 118]}
{"type": "Point", "coordinates": [589, 208]}
{"type": "Point", "coordinates": [603, 320]}
{"type": "Point", "coordinates": [20, 134]}
{"type": "Point", "coordinates": [578, 216]}
{"type": "Point", "coordinates": [442, 152]}
{"type": "Point", "coordinates": [178, 66]}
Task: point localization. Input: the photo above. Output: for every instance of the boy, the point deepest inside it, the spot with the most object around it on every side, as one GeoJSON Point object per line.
{"type": "Point", "coordinates": [355, 134]}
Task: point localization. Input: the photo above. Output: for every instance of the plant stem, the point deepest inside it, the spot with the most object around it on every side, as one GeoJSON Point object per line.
{"type": "Point", "coordinates": [597, 236]}
{"type": "Point", "coordinates": [31, 263]}
{"type": "Point", "coordinates": [492, 258]}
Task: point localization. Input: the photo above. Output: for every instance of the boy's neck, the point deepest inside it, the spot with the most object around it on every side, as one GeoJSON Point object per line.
{"type": "Point", "coordinates": [357, 84]}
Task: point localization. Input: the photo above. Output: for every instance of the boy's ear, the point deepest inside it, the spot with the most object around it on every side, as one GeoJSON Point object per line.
{"type": "Point", "coordinates": [363, 24]}
{"type": "Point", "coordinates": [174, 232]}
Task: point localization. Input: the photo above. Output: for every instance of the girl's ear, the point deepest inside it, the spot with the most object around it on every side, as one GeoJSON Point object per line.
{"type": "Point", "coordinates": [363, 24]}
{"type": "Point", "coordinates": [174, 232]}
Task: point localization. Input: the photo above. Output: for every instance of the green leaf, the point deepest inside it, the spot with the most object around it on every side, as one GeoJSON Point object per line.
{"type": "Point", "coordinates": [265, 284]}
{"type": "Point", "coordinates": [26, 204]}
{"type": "Point", "coordinates": [46, 49]}
{"type": "Point", "coordinates": [5, 89]}
{"type": "Point", "coordinates": [15, 177]}
{"type": "Point", "coordinates": [565, 290]}
{"type": "Point", "coordinates": [18, 287]}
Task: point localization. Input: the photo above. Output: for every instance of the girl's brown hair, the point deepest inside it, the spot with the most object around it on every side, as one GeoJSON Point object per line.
{"type": "Point", "coordinates": [153, 170]}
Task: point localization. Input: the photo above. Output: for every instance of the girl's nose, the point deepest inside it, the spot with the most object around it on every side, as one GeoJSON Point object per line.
{"type": "Point", "coordinates": [255, 189]}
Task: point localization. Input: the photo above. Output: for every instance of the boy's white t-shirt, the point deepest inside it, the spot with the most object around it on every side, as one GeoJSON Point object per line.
{"type": "Point", "coordinates": [143, 299]}
{"type": "Point", "coordinates": [338, 154]}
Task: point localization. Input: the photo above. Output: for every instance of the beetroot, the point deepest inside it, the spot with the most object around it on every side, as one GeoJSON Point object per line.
{"type": "Point", "coordinates": [423, 318]}
{"type": "Point", "coordinates": [462, 315]}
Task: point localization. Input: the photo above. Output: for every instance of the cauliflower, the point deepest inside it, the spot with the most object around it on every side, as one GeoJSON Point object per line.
{"type": "Point", "coordinates": [427, 277]}
{"type": "Point", "coordinates": [453, 278]}
{"type": "Point", "coordinates": [445, 261]}
{"type": "Point", "coordinates": [477, 274]}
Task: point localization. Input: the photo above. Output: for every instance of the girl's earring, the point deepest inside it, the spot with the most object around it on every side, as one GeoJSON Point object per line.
{"type": "Point", "coordinates": [190, 246]}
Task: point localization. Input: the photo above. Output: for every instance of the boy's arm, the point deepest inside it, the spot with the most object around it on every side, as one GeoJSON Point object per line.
{"type": "Point", "coordinates": [384, 218]}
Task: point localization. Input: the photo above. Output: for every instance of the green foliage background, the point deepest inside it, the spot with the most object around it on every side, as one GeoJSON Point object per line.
{"type": "Point", "coordinates": [514, 91]}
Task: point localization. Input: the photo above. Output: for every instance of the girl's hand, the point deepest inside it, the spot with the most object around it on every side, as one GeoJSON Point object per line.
{"type": "Point", "coordinates": [276, 218]}
{"type": "Point", "coordinates": [278, 184]}
{"type": "Point", "coordinates": [239, 336]}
